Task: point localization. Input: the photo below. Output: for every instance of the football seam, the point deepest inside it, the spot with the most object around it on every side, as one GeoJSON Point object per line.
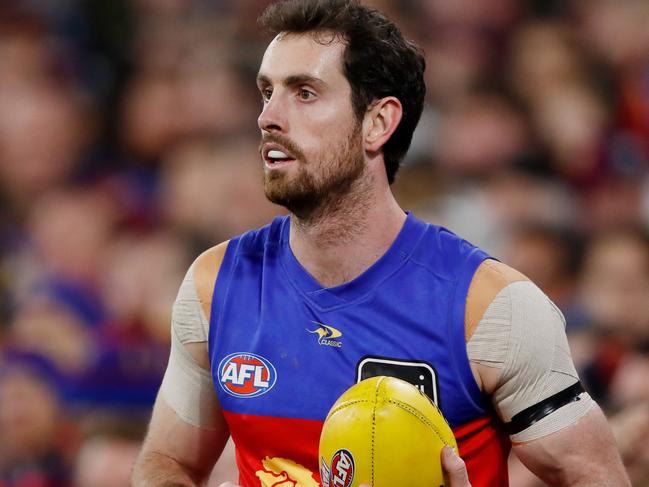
{"type": "Point", "coordinates": [417, 414]}
{"type": "Point", "coordinates": [375, 401]}
{"type": "Point", "coordinates": [373, 442]}
{"type": "Point", "coordinates": [345, 405]}
{"type": "Point", "coordinates": [399, 404]}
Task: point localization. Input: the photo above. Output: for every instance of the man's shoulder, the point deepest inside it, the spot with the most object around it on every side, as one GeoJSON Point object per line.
{"type": "Point", "coordinates": [209, 262]}
{"type": "Point", "coordinates": [207, 265]}
{"type": "Point", "coordinates": [448, 254]}
{"type": "Point", "coordinates": [490, 278]}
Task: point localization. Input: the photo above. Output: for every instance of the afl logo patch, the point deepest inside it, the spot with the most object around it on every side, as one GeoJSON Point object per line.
{"type": "Point", "coordinates": [341, 473]}
{"type": "Point", "coordinates": [246, 375]}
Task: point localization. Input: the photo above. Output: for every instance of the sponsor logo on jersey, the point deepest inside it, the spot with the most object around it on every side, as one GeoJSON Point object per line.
{"type": "Point", "coordinates": [341, 472]}
{"type": "Point", "coordinates": [327, 335]}
{"type": "Point", "coordinates": [246, 374]}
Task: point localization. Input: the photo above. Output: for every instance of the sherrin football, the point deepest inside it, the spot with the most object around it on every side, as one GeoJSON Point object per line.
{"type": "Point", "coordinates": [384, 432]}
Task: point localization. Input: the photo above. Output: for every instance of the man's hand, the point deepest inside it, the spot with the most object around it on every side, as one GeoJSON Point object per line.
{"type": "Point", "coordinates": [454, 468]}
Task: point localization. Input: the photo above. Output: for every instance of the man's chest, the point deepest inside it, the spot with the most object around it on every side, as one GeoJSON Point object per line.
{"type": "Point", "coordinates": [288, 358]}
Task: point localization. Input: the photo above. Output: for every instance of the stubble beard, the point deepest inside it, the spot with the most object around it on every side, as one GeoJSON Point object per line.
{"type": "Point", "coordinates": [310, 195]}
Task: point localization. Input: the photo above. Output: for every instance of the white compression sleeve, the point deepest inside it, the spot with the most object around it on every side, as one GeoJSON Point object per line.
{"type": "Point", "coordinates": [187, 387]}
{"type": "Point", "coordinates": [523, 333]}
{"type": "Point", "coordinates": [188, 317]}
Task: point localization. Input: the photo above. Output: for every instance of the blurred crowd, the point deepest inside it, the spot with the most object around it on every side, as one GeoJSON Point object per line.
{"type": "Point", "coordinates": [128, 145]}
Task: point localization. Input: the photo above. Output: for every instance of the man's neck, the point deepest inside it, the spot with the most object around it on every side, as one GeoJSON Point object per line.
{"type": "Point", "coordinates": [347, 239]}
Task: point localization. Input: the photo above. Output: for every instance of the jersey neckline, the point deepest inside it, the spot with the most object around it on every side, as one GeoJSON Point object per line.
{"type": "Point", "coordinates": [406, 241]}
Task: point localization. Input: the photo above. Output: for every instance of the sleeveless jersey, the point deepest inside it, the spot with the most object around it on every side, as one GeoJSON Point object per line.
{"type": "Point", "coordinates": [283, 348]}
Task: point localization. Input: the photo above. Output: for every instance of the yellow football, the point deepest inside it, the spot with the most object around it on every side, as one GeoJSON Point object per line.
{"type": "Point", "coordinates": [383, 432]}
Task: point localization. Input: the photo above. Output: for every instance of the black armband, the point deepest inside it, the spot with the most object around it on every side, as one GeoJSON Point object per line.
{"type": "Point", "coordinates": [527, 417]}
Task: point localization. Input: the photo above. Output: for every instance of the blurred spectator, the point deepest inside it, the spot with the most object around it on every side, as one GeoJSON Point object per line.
{"type": "Point", "coordinates": [631, 427]}
{"type": "Point", "coordinates": [612, 203]}
{"type": "Point", "coordinates": [107, 453]}
{"type": "Point", "coordinates": [549, 257]}
{"type": "Point", "coordinates": [229, 173]}
{"type": "Point", "coordinates": [611, 346]}
{"type": "Point", "coordinates": [615, 285]}
{"type": "Point", "coordinates": [49, 329]}
{"type": "Point", "coordinates": [42, 137]}
{"type": "Point", "coordinates": [489, 211]}
{"type": "Point", "coordinates": [189, 83]}
{"type": "Point", "coordinates": [480, 134]}
{"type": "Point", "coordinates": [616, 30]}
{"type": "Point", "coordinates": [70, 230]}
{"type": "Point", "coordinates": [33, 449]}
{"type": "Point", "coordinates": [139, 282]}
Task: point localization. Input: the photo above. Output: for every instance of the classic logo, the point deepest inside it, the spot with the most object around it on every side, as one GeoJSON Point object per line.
{"type": "Point", "coordinates": [246, 375]}
{"type": "Point", "coordinates": [341, 472]}
{"type": "Point", "coordinates": [327, 335]}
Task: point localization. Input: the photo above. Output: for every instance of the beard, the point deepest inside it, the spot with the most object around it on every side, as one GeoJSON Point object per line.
{"type": "Point", "coordinates": [320, 184]}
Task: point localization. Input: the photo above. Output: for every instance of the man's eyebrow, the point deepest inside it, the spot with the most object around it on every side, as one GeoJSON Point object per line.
{"type": "Point", "coordinates": [295, 79]}
{"type": "Point", "coordinates": [301, 79]}
{"type": "Point", "coordinates": [262, 79]}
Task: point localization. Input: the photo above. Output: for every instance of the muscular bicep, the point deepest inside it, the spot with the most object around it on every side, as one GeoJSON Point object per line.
{"type": "Point", "coordinates": [520, 353]}
{"type": "Point", "coordinates": [187, 424]}
{"type": "Point", "coordinates": [582, 454]}
{"type": "Point", "coordinates": [187, 386]}
{"type": "Point", "coordinates": [187, 431]}
{"type": "Point", "coordinates": [533, 384]}
{"type": "Point", "coordinates": [195, 449]}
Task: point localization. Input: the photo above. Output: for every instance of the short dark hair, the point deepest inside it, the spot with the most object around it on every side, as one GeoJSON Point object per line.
{"type": "Point", "coordinates": [377, 61]}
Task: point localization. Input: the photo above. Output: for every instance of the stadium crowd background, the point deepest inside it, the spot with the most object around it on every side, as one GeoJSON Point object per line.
{"type": "Point", "coordinates": [128, 145]}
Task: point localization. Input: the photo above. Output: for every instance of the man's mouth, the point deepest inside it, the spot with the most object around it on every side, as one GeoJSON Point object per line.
{"type": "Point", "coordinates": [277, 157]}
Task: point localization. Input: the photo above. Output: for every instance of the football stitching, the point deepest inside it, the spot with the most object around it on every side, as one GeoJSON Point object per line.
{"type": "Point", "coordinates": [376, 401]}
{"type": "Point", "coordinates": [372, 447]}
{"type": "Point", "coordinates": [345, 405]}
{"type": "Point", "coordinates": [406, 407]}
{"type": "Point", "coordinates": [416, 413]}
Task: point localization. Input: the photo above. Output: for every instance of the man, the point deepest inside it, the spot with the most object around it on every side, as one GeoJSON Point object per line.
{"type": "Point", "coordinates": [281, 320]}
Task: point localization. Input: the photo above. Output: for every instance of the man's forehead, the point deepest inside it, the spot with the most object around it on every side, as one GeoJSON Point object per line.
{"type": "Point", "coordinates": [319, 54]}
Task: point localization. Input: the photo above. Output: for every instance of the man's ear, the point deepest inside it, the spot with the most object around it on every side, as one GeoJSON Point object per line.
{"type": "Point", "coordinates": [380, 122]}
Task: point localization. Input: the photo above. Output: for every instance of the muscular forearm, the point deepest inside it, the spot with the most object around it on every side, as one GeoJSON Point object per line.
{"type": "Point", "coordinates": [609, 474]}
{"type": "Point", "coordinates": [580, 471]}
{"type": "Point", "coordinates": [154, 469]}
{"type": "Point", "coordinates": [608, 480]}
{"type": "Point", "coordinates": [581, 455]}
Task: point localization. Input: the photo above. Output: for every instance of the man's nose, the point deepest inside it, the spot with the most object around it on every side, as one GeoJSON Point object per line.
{"type": "Point", "coordinates": [272, 118]}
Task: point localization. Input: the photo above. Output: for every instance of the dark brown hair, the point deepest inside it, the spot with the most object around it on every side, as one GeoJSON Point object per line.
{"type": "Point", "coordinates": [378, 61]}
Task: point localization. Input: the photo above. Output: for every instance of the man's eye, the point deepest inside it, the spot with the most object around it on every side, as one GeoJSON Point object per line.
{"type": "Point", "coordinates": [305, 94]}
{"type": "Point", "coordinates": [266, 94]}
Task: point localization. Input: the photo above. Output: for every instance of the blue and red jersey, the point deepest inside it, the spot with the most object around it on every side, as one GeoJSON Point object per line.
{"type": "Point", "coordinates": [283, 348]}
